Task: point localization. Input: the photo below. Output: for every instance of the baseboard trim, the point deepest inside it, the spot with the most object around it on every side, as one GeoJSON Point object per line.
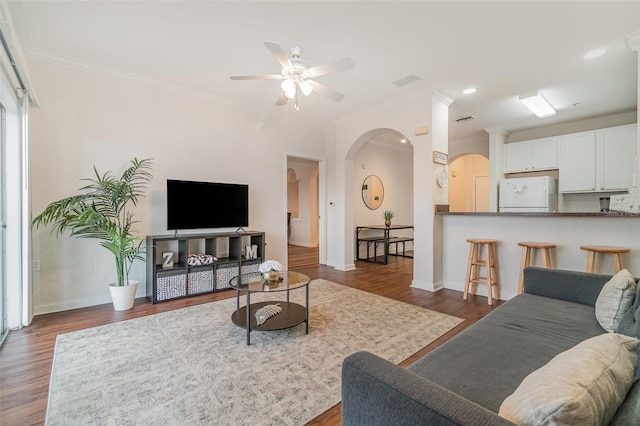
{"type": "Point", "coordinates": [301, 244]}
{"type": "Point", "coordinates": [81, 303]}
{"type": "Point", "coordinates": [423, 285]}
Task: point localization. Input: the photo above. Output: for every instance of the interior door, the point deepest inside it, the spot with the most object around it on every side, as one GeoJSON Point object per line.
{"type": "Point", "coordinates": [481, 194]}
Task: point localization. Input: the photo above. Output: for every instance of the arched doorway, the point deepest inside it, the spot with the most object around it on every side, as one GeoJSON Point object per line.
{"type": "Point", "coordinates": [387, 155]}
{"type": "Point", "coordinates": [469, 183]}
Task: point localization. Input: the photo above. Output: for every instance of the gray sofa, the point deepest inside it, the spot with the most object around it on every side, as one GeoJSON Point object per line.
{"type": "Point", "coordinates": [465, 380]}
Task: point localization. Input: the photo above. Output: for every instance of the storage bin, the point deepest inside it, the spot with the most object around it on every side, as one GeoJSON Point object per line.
{"type": "Point", "coordinates": [200, 281]}
{"type": "Point", "coordinates": [171, 285]}
{"type": "Point", "coordinates": [224, 274]}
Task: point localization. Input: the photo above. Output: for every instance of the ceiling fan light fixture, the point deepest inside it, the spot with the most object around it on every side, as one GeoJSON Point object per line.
{"type": "Point", "coordinates": [289, 88]}
{"type": "Point", "coordinates": [306, 87]}
{"type": "Point", "coordinates": [538, 105]}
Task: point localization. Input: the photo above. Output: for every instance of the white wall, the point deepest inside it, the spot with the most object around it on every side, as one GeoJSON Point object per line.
{"type": "Point", "coordinates": [348, 136]}
{"type": "Point", "coordinates": [474, 145]}
{"type": "Point", "coordinates": [86, 120]}
{"type": "Point", "coordinates": [426, 110]}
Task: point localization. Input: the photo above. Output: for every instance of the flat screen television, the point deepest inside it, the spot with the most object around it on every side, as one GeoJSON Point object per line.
{"type": "Point", "coordinates": [198, 205]}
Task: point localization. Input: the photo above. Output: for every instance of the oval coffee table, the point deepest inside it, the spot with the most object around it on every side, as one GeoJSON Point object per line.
{"type": "Point", "coordinates": [292, 313]}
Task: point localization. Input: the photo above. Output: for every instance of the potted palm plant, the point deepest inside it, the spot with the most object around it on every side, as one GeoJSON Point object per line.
{"type": "Point", "coordinates": [102, 212]}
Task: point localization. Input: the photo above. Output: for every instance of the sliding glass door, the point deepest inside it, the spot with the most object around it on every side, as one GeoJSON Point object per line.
{"type": "Point", "coordinates": [3, 251]}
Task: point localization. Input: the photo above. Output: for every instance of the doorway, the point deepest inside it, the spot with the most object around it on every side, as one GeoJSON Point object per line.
{"type": "Point", "coordinates": [481, 194]}
{"type": "Point", "coordinates": [303, 213]}
{"type": "Point", "coordinates": [469, 184]}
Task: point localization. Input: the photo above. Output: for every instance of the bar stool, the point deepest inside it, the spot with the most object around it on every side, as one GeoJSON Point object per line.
{"type": "Point", "coordinates": [615, 253]}
{"type": "Point", "coordinates": [476, 262]}
{"type": "Point", "coordinates": [527, 248]}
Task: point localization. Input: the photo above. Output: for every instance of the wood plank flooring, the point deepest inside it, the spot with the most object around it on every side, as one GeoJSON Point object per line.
{"type": "Point", "coordinates": [27, 354]}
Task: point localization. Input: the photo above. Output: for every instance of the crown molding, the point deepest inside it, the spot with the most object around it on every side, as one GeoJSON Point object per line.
{"type": "Point", "coordinates": [441, 97]}
{"type": "Point", "coordinates": [113, 74]}
{"type": "Point", "coordinates": [497, 130]}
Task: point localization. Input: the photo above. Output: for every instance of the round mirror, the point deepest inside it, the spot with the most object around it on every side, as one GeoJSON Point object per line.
{"type": "Point", "coordinates": [372, 192]}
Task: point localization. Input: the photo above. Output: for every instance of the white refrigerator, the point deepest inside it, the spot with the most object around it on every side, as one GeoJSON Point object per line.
{"type": "Point", "coordinates": [528, 194]}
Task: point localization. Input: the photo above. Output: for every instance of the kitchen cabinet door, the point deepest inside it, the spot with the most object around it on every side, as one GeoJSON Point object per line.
{"type": "Point", "coordinates": [531, 155]}
{"type": "Point", "coordinates": [544, 153]}
{"type": "Point", "coordinates": [516, 157]}
{"type": "Point", "coordinates": [617, 152]}
{"type": "Point", "coordinates": [578, 162]}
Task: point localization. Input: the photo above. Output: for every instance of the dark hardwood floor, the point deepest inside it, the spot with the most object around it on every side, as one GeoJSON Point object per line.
{"type": "Point", "coordinates": [27, 354]}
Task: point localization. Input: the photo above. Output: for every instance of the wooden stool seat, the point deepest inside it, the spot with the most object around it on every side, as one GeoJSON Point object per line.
{"type": "Point", "coordinates": [527, 249]}
{"type": "Point", "coordinates": [615, 253]}
{"type": "Point", "coordinates": [476, 262]}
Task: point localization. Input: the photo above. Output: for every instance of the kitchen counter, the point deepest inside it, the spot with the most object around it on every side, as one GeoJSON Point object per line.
{"type": "Point", "coordinates": [568, 231]}
{"type": "Point", "coordinates": [553, 214]}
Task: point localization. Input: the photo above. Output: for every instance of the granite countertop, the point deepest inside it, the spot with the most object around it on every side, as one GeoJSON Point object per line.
{"type": "Point", "coordinates": [554, 214]}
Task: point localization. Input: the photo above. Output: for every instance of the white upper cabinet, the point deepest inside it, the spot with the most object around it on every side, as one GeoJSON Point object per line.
{"type": "Point", "coordinates": [617, 148]}
{"type": "Point", "coordinates": [598, 161]}
{"type": "Point", "coordinates": [530, 156]}
{"type": "Point", "coordinates": [578, 162]}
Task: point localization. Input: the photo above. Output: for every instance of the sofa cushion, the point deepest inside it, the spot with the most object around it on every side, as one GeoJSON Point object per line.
{"type": "Point", "coordinates": [630, 324]}
{"type": "Point", "coordinates": [583, 385]}
{"type": "Point", "coordinates": [629, 412]}
{"type": "Point", "coordinates": [615, 299]}
{"type": "Point", "coordinates": [486, 362]}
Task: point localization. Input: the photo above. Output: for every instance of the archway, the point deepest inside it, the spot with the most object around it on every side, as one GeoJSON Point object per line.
{"type": "Point", "coordinates": [469, 183]}
{"type": "Point", "coordinates": [388, 155]}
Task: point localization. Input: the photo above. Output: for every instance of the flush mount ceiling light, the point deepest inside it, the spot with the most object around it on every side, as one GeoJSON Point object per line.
{"type": "Point", "coordinates": [469, 91]}
{"type": "Point", "coordinates": [538, 105]}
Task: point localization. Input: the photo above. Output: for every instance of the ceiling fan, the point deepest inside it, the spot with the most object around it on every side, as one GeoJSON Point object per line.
{"type": "Point", "coordinates": [297, 76]}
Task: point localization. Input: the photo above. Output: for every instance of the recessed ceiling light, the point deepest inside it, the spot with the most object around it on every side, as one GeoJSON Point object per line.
{"type": "Point", "coordinates": [594, 53]}
{"type": "Point", "coordinates": [403, 140]}
{"type": "Point", "coordinates": [469, 91]}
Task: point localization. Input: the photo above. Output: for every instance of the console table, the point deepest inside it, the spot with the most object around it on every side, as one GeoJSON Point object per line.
{"type": "Point", "coordinates": [384, 239]}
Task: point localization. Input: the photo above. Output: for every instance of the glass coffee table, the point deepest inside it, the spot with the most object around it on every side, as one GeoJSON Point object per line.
{"type": "Point", "coordinates": [292, 313]}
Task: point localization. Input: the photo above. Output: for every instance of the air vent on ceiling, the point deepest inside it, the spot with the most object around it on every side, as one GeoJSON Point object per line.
{"type": "Point", "coordinates": [406, 80]}
{"type": "Point", "coordinates": [468, 117]}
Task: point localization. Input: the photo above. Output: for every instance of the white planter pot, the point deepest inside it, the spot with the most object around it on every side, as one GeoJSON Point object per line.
{"type": "Point", "coordinates": [123, 296]}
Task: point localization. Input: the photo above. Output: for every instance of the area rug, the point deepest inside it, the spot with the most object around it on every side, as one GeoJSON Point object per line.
{"type": "Point", "coordinates": [192, 366]}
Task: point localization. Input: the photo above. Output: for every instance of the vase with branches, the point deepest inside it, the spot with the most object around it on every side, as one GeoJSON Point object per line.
{"type": "Point", "coordinates": [388, 215]}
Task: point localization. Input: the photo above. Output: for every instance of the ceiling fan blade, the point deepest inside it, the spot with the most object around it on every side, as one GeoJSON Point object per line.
{"type": "Point", "coordinates": [282, 99]}
{"type": "Point", "coordinates": [341, 65]}
{"type": "Point", "coordinates": [280, 54]}
{"type": "Point", "coordinates": [257, 77]}
{"type": "Point", "coordinates": [324, 90]}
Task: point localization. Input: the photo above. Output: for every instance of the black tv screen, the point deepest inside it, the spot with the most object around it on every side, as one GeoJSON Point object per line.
{"type": "Point", "coordinates": [197, 205]}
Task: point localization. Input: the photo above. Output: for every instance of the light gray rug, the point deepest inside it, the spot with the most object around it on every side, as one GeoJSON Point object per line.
{"type": "Point", "coordinates": [192, 366]}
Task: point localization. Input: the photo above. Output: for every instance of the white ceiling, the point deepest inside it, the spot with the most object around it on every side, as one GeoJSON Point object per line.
{"type": "Point", "coordinates": [504, 49]}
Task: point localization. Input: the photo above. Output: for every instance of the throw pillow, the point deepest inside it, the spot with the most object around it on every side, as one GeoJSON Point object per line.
{"type": "Point", "coordinates": [584, 385]}
{"type": "Point", "coordinates": [630, 324]}
{"type": "Point", "coordinates": [615, 299]}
